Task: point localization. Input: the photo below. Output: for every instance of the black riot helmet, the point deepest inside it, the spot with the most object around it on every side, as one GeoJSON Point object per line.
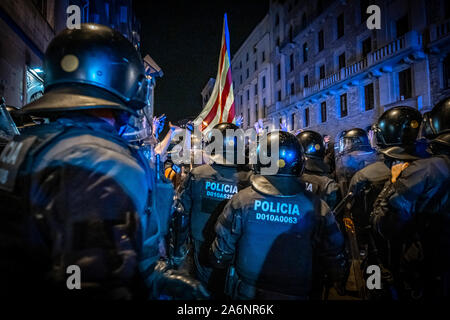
{"type": "Point", "coordinates": [355, 139]}
{"type": "Point", "coordinates": [436, 127]}
{"type": "Point", "coordinates": [312, 143]}
{"type": "Point", "coordinates": [396, 132]}
{"type": "Point", "coordinates": [92, 67]}
{"type": "Point", "coordinates": [231, 142]}
{"type": "Point", "coordinates": [437, 121]}
{"type": "Point", "coordinates": [290, 155]}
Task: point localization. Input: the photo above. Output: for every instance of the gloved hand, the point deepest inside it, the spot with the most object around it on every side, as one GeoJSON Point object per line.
{"type": "Point", "coordinates": [178, 285]}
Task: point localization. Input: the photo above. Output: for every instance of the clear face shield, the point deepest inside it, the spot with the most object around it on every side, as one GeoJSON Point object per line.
{"type": "Point", "coordinates": [426, 127]}
{"type": "Point", "coordinates": [139, 128]}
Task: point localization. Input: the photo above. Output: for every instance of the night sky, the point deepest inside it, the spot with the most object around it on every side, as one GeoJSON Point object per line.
{"type": "Point", "coordinates": [183, 37]}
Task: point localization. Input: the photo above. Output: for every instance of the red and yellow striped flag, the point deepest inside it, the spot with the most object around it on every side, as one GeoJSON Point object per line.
{"type": "Point", "coordinates": [220, 106]}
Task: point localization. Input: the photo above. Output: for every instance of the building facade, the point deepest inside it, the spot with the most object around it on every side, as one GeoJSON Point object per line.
{"type": "Point", "coordinates": [27, 27]}
{"type": "Point", "coordinates": [207, 91]}
{"type": "Point", "coordinates": [252, 74]}
{"type": "Point", "coordinates": [326, 71]}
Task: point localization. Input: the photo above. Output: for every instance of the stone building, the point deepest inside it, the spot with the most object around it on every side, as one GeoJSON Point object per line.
{"type": "Point", "coordinates": [207, 91]}
{"type": "Point", "coordinates": [328, 72]}
{"type": "Point", "coordinates": [252, 74]}
{"type": "Point", "coordinates": [26, 28]}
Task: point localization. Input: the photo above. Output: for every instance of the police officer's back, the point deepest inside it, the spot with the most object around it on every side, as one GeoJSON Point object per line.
{"type": "Point", "coordinates": [396, 133]}
{"type": "Point", "coordinates": [204, 194]}
{"type": "Point", "coordinates": [414, 209]}
{"type": "Point", "coordinates": [277, 235]}
{"type": "Point", "coordinates": [316, 172]}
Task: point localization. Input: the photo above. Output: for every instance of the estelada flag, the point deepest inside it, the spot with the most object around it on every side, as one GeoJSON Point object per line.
{"type": "Point", "coordinates": [220, 106]}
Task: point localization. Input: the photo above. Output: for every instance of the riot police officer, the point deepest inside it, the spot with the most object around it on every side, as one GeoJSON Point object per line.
{"type": "Point", "coordinates": [396, 129]}
{"type": "Point", "coordinates": [203, 196]}
{"type": "Point", "coordinates": [74, 193]}
{"type": "Point", "coordinates": [354, 154]}
{"type": "Point", "coordinates": [277, 235]}
{"type": "Point", "coordinates": [396, 133]}
{"type": "Point", "coordinates": [413, 210]}
{"type": "Point", "coordinates": [316, 173]}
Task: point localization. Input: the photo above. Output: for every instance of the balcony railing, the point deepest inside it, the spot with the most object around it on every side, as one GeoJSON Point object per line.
{"type": "Point", "coordinates": [440, 30]}
{"type": "Point", "coordinates": [409, 40]}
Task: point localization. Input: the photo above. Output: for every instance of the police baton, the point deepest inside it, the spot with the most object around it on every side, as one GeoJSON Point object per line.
{"type": "Point", "coordinates": [339, 209]}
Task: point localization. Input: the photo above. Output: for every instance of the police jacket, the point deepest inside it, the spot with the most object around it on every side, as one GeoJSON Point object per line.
{"type": "Point", "coordinates": [317, 180]}
{"type": "Point", "coordinates": [418, 205]}
{"type": "Point", "coordinates": [278, 240]}
{"type": "Point", "coordinates": [205, 192]}
{"type": "Point", "coordinates": [366, 184]}
{"type": "Point", "coordinates": [75, 193]}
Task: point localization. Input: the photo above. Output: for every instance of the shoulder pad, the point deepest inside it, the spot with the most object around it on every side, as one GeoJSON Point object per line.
{"type": "Point", "coordinates": [11, 159]}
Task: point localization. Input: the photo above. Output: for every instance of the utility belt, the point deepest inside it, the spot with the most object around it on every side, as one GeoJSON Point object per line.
{"type": "Point", "coordinates": [239, 289]}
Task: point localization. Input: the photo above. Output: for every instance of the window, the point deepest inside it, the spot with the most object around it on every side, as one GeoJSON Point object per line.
{"type": "Point", "coordinates": [278, 72]}
{"type": "Point", "coordinates": [264, 108]}
{"type": "Point", "coordinates": [292, 88]}
{"type": "Point", "coordinates": [263, 56]}
{"type": "Point", "coordinates": [404, 80]}
{"type": "Point", "coordinates": [291, 34]}
{"type": "Point", "coordinates": [446, 71]}
{"type": "Point", "coordinates": [293, 121]}
{"type": "Point", "coordinates": [240, 65]}
{"type": "Point", "coordinates": [264, 82]}
{"type": "Point", "coordinates": [366, 46]}
{"type": "Point", "coordinates": [241, 100]}
{"type": "Point", "coordinates": [123, 14]}
{"type": "Point", "coordinates": [305, 81]}
{"type": "Point", "coordinates": [447, 10]}
{"type": "Point", "coordinates": [280, 122]}
{"type": "Point", "coordinates": [323, 111]}
{"type": "Point", "coordinates": [248, 95]}
{"type": "Point", "coordinates": [248, 73]}
{"type": "Point", "coordinates": [402, 25]}
{"type": "Point", "coordinates": [305, 52]}
{"type": "Point", "coordinates": [256, 89]}
{"type": "Point", "coordinates": [319, 7]}
{"type": "Point", "coordinates": [279, 95]}
{"type": "Point", "coordinates": [340, 25]}
{"type": "Point", "coordinates": [107, 12]}
{"type": "Point", "coordinates": [304, 22]}
{"type": "Point", "coordinates": [343, 105]}
{"type": "Point", "coordinates": [364, 4]}
{"type": "Point", "coordinates": [322, 71]}
{"type": "Point", "coordinates": [248, 117]}
{"type": "Point", "coordinates": [341, 61]}
{"type": "Point", "coordinates": [240, 79]}
{"type": "Point", "coordinates": [277, 20]}
{"type": "Point", "coordinates": [291, 62]}
{"type": "Point", "coordinates": [256, 112]}
{"type": "Point", "coordinates": [246, 57]}
{"type": "Point", "coordinates": [306, 117]}
{"type": "Point", "coordinates": [320, 40]}
{"type": "Point", "coordinates": [369, 102]}
{"type": "Point", "coordinates": [256, 65]}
